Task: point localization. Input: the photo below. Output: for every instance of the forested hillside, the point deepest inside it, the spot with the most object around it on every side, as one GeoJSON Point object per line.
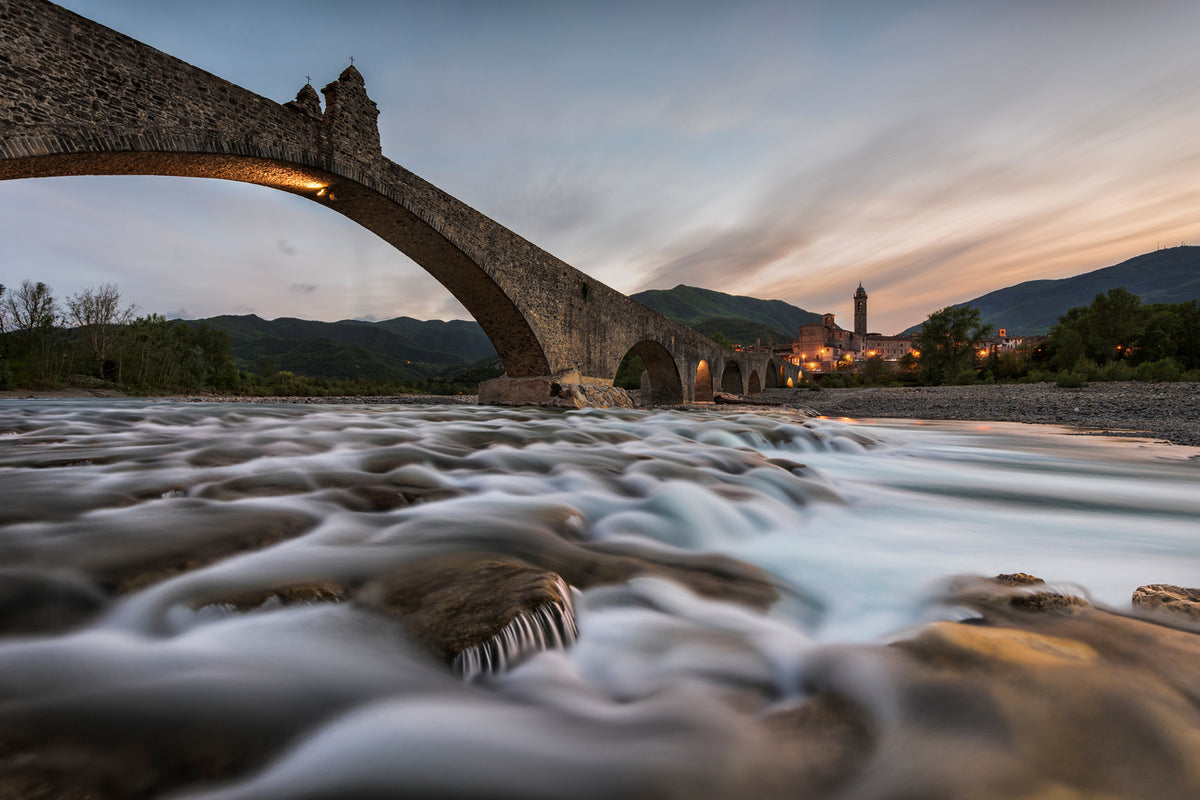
{"type": "Point", "coordinates": [1171, 275]}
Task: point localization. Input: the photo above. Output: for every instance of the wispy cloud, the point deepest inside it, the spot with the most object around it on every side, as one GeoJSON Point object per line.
{"type": "Point", "coordinates": [934, 150]}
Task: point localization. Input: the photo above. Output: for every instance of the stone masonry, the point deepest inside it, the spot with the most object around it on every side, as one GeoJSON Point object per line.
{"type": "Point", "coordinates": [81, 99]}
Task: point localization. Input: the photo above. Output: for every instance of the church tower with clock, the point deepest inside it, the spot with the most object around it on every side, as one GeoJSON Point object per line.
{"type": "Point", "coordinates": [860, 311]}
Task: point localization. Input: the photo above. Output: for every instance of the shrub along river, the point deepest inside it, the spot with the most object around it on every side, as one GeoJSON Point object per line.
{"type": "Point", "coordinates": [234, 601]}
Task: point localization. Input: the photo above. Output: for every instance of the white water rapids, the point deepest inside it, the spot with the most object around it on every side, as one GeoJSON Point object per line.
{"type": "Point", "coordinates": [860, 524]}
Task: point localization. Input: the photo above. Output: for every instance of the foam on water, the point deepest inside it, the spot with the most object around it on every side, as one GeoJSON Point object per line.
{"type": "Point", "coordinates": [170, 508]}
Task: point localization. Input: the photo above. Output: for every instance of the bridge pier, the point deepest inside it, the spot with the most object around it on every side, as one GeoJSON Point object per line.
{"type": "Point", "coordinates": [565, 390]}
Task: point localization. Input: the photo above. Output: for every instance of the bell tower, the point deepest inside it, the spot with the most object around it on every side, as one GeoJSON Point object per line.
{"type": "Point", "coordinates": [860, 311]}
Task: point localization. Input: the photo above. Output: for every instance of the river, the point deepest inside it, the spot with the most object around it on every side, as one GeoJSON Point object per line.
{"type": "Point", "coordinates": [133, 665]}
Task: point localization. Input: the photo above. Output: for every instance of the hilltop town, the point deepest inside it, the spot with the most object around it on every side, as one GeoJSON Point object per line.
{"type": "Point", "coordinates": [825, 346]}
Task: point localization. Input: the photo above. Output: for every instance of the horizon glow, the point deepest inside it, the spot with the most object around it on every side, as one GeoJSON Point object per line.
{"type": "Point", "coordinates": [935, 151]}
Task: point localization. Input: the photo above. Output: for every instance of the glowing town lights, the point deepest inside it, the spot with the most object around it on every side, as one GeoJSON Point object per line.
{"type": "Point", "coordinates": [321, 192]}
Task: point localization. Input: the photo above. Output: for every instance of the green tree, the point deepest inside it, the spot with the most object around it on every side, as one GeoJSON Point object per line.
{"type": "Point", "coordinates": [629, 372]}
{"type": "Point", "coordinates": [6, 376]}
{"type": "Point", "coordinates": [721, 339]}
{"type": "Point", "coordinates": [31, 314]}
{"type": "Point", "coordinates": [1107, 330]}
{"type": "Point", "coordinates": [1160, 334]}
{"type": "Point", "coordinates": [1188, 346]}
{"type": "Point", "coordinates": [948, 342]}
{"type": "Point", "coordinates": [98, 315]}
{"type": "Point", "coordinates": [874, 371]}
{"type": "Point", "coordinates": [1117, 320]}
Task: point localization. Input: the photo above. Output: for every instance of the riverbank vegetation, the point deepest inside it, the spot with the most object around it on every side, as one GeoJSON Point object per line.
{"type": "Point", "coordinates": [1116, 337]}
{"type": "Point", "coordinates": [94, 340]}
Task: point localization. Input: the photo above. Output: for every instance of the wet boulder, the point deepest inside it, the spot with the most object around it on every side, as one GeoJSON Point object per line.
{"type": "Point", "coordinates": [1015, 591]}
{"type": "Point", "coordinates": [1030, 699]}
{"type": "Point", "coordinates": [479, 612]}
{"type": "Point", "coordinates": [1163, 598]}
{"type": "Point", "coordinates": [41, 601]}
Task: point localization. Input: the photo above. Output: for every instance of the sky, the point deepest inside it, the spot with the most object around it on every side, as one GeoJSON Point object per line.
{"type": "Point", "coordinates": [934, 151]}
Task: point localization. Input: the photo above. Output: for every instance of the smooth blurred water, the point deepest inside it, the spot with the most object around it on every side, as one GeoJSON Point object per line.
{"type": "Point", "coordinates": [860, 523]}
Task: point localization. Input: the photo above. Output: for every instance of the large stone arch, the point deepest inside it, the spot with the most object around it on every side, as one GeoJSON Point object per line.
{"type": "Point", "coordinates": [100, 103]}
{"type": "Point", "coordinates": [666, 386]}
{"type": "Point", "coordinates": [501, 319]}
{"type": "Point", "coordinates": [753, 384]}
{"type": "Point", "coordinates": [731, 378]}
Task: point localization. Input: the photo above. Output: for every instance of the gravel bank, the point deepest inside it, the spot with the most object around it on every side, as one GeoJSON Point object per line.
{"type": "Point", "coordinates": [366, 400]}
{"type": "Point", "coordinates": [1167, 411]}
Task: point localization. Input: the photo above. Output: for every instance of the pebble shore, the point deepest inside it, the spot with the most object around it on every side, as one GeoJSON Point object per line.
{"type": "Point", "coordinates": [1166, 411]}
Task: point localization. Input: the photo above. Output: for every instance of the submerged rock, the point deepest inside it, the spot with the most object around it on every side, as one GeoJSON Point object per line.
{"type": "Point", "coordinates": [136, 558]}
{"type": "Point", "coordinates": [287, 594]}
{"type": "Point", "coordinates": [1018, 590]}
{"type": "Point", "coordinates": [1018, 579]}
{"type": "Point", "coordinates": [35, 600]}
{"type": "Point", "coordinates": [826, 742]}
{"type": "Point", "coordinates": [1177, 601]}
{"type": "Point", "coordinates": [1013, 704]}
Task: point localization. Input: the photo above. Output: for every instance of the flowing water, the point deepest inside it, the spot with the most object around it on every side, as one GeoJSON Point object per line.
{"type": "Point", "coordinates": [857, 526]}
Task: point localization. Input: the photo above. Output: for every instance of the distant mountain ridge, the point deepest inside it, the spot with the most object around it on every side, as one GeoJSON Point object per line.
{"type": "Point", "coordinates": [410, 349]}
{"type": "Point", "coordinates": [402, 348]}
{"type": "Point", "coordinates": [710, 312]}
{"type": "Point", "coordinates": [1171, 275]}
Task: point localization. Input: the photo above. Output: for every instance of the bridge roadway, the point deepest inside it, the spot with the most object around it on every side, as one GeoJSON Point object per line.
{"type": "Point", "coordinates": [82, 99]}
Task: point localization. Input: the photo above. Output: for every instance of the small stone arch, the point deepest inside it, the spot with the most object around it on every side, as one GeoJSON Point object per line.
{"type": "Point", "coordinates": [731, 378]}
{"type": "Point", "coordinates": [755, 385]}
{"type": "Point", "coordinates": [790, 384]}
{"type": "Point", "coordinates": [774, 374]}
{"type": "Point", "coordinates": [704, 384]}
{"type": "Point", "coordinates": [665, 385]}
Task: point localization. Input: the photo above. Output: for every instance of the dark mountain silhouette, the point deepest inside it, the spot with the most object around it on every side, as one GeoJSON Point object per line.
{"type": "Point", "coordinates": [1171, 275]}
{"type": "Point", "coordinates": [401, 348]}
{"type": "Point", "coordinates": [741, 319]}
{"type": "Point", "coordinates": [409, 349]}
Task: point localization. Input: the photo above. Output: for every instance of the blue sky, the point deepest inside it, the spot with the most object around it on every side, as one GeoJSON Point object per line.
{"type": "Point", "coordinates": [934, 151]}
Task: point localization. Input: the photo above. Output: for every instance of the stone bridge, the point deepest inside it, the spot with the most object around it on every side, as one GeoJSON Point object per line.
{"type": "Point", "coordinates": [81, 99]}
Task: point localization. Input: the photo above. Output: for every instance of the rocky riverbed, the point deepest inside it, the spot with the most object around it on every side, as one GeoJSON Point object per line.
{"type": "Point", "coordinates": [260, 602]}
{"type": "Point", "coordinates": [1167, 411]}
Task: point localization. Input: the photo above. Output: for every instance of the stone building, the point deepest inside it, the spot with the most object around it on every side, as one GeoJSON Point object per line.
{"type": "Point", "coordinates": [821, 345]}
{"type": "Point", "coordinates": [824, 346]}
